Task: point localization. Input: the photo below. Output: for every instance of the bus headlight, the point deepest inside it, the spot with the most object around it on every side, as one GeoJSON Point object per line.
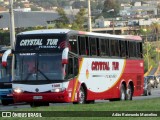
{"type": "Point", "coordinates": [18, 90]}
{"type": "Point", "coordinates": [58, 90]}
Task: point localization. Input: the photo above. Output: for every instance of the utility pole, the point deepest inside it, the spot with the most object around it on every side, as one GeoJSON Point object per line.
{"type": "Point", "coordinates": [112, 10]}
{"type": "Point", "coordinates": [12, 29]}
{"type": "Point", "coordinates": [12, 32]}
{"type": "Point", "coordinates": [89, 16]}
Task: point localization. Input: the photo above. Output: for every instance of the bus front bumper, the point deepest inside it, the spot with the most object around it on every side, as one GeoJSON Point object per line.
{"type": "Point", "coordinates": [50, 97]}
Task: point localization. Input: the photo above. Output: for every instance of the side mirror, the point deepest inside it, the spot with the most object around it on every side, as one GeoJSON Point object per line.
{"type": "Point", "coordinates": [4, 64]}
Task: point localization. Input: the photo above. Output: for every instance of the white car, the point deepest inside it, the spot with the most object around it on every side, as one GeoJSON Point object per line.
{"type": "Point", "coordinates": [147, 87]}
{"type": "Point", "coordinates": [152, 80]}
{"type": "Point", "coordinates": [158, 78]}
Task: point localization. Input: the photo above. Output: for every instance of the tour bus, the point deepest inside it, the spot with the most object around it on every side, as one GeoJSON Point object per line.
{"type": "Point", "coordinates": [62, 65]}
{"type": "Point", "coordinates": [5, 80]}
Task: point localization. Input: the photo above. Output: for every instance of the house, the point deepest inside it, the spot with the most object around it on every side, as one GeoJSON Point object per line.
{"type": "Point", "coordinates": [101, 22]}
{"type": "Point", "coordinates": [139, 10]}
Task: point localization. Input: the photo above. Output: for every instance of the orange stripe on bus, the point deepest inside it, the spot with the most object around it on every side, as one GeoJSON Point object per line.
{"type": "Point", "coordinates": [76, 83]}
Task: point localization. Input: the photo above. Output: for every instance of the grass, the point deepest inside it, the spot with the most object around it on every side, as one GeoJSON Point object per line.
{"type": "Point", "coordinates": [98, 110]}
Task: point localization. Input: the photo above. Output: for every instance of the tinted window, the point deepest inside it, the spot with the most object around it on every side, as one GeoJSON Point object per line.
{"type": "Point", "coordinates": [139, 50]}
{"type": "Point", "coordinates": [114, 47]}
{"type": "Point", "coordinates": [73, 44]}
{"type": "Point", "coordinates": [123, 49]}
{"type": "Point", "coordinates": [93, 48]}
{"type": "Point", "coordinates": [104, 45]}
{"type": "Point", "coordinates": [132, 49]}
{"type": "Point", "coordinates": [82, 45]}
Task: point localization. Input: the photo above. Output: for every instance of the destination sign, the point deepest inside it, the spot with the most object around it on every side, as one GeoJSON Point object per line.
{"type": "Point", "coordinates": [41, 42]}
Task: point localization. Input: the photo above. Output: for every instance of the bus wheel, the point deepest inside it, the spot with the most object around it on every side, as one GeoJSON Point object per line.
{"type": "Point", "coordinates": [122, 93]}
{"type": "Point", "coordinates": [90, 101]}
{"type": "Point", "coordinates": [7, 102]}
{"type": "Point", "coordinates": [4, 102]}
{"type": "Point", "coordinates": [82, 96]}
{"type": "Point", "coordinates": [32, 104]}
{"type": "Point", "coordinates": [129, 93]}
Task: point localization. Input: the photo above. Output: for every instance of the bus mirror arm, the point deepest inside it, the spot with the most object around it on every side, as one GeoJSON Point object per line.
{"type": "Point", "coordinates": [4, 57]}
{"type": "Point", "coordinates": [65, 56]}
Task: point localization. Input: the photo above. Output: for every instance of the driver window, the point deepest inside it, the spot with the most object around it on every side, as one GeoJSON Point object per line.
{"type": "Point", "coordinates": [72, 67]}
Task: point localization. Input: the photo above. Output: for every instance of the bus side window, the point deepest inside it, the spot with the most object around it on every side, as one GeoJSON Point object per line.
{"type": "Point", "coordinates": [113, 52]}
{"type": "Point", "coordinates": [82, 45]}
{"type": "Point", "coordinates": [127, 49]}
{"type": "Point", "coordinates": [117, 50]}
{"type": "Point", "coordinates": [132, 49]}
{"type": "Point", "coordinates": [98, 46]}
{"type": "Point", "coordinates": [93, 48]}
{"type": "Point", "coordinates": [107, 42]}
{"type": "Point", "coordinates": [123, 48]}
{"type": "Point", "coordinates": [87, 46]}
{"type": "Point", "coordinates": [73, 44]}
{"type": "Point", "coordinates": [70, 68]}
{"type": "Point", "coordinates": [102, 47]}
{"type": "Point", "coordinates": [75, 66]}
{"type": "Point", "coordinates": [139, 50]}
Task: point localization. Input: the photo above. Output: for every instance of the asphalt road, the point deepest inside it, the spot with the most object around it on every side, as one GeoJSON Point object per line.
{"type": "Point", "coordinates": [155, 94]}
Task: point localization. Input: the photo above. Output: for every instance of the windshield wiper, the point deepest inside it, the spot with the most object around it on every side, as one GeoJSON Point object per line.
{"type": "Point", "coordinates": [43, 75]}
{"type": "Point", "coordinates": [29, 74]}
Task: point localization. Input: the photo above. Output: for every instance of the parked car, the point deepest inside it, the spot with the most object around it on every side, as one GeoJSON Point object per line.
{"type": "Point", "coordinates": [158, 78]}
{"type": "Point", "coordinates": [147, 87]}
{"type": "Point", "coordinates": [152, 80]}
{"type": "Point", "coordinates": [120, 24]}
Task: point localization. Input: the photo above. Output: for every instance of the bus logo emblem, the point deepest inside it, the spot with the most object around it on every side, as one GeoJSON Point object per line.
{"type": "Point", "coordinates": [37, 90]}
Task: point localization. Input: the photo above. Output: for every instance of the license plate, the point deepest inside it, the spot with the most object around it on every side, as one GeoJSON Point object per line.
{"type": "Point", "coordinates": [37, 97]}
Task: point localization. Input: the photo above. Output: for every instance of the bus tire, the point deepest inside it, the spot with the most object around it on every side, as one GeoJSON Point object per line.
{"type": "Point", "coordinates": [33, 104]}
{"type": "Point", "coordinates": [114, 99]}
{"type": "Point", "coordinates": [129, 92]}
{"type": "Point", "coordinates": [7, 102]}
{"type": "Point", "coordinates": [4, 102]}
{"type": "Point", "coordinates": [90, 101]}
{"type": "Point", "coordinates": [122, 93]}
{"type": "Point", "coordinates": [81, 96]}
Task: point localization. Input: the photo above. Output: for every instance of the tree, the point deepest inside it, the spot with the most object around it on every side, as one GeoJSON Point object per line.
{"type": "Point", "coordinates": [155, 26]}
{"type": "Point", "coordinates": [149, 51]}
{"type": "Point", "coordinates": [34, 8]}
{"type": "Point", "coordinates": [4, 38]}
{"type": "Point", "coordinates": [63, 21]}
{"type": "Point", "coordinates": [78, 23]}
{"type": "Point", "coordinates": [108, 5]}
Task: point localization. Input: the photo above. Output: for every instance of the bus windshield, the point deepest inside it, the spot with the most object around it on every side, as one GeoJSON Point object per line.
{"type": "Point", "coordinates": [38, 66]}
